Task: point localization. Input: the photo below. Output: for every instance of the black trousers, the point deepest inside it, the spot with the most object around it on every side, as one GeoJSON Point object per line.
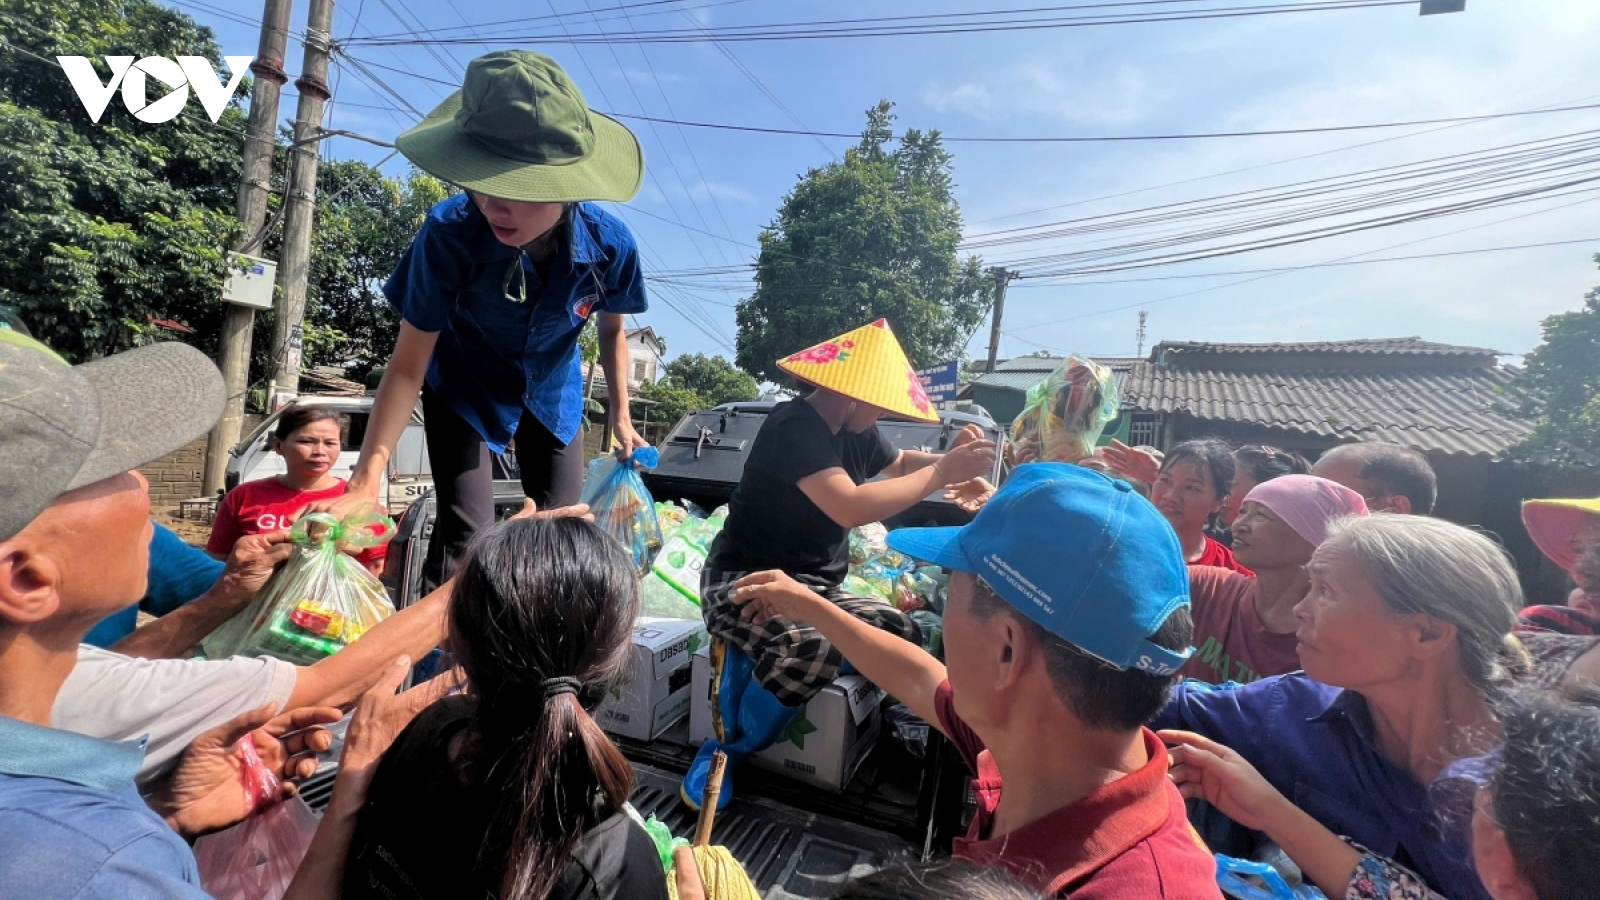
{"type": "Point", "coordinates": [463, 479]}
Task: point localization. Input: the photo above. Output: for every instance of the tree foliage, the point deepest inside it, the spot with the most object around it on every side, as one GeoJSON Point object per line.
{"type": "Point", "coordinates": [873, 236]}
{"type": "Point", "coordinates": [1560, 388]}
{"type": "Point", "coordinates": [362, 224]}
{"type": "Point", "coordinates": [108, 226]}
{"type": "Point", "coordinates": [713, 378]}
{"type": "Point", "coordinates": [694, 382]}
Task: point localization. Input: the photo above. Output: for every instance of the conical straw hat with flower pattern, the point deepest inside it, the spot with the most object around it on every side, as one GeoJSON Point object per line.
{"type": "Point", "coordinates": [868, 366]}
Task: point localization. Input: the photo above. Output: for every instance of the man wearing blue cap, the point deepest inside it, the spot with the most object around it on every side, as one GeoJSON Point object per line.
{"type": "Point", "coordinates": [1068, 617]}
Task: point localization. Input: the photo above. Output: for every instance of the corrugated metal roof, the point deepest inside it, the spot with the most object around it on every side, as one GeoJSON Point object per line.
{"type": "Point", "coordinates": [1406, 346]}
{"type": "Point", "coordinates": [1013, 381]}
{"type": "Point", "coordinates": [1452, 411]}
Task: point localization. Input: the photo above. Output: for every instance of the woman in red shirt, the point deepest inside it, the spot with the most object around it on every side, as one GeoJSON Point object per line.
{"type": "Point", "coordinates": [1193, 486]}
{"type": "Point", "coordinates": [308, 439]}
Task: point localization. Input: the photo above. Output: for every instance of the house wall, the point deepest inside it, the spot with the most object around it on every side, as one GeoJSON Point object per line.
{"type": "Point", "coordinates": [179, 475]}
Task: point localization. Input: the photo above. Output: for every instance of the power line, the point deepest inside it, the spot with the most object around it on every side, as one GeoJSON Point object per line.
{"type": "Point", "coordinates": [1279, 274]}
{"type": "Point", "coordinates": [1091, 139]}
{"type": "Point", "coordinates": [852, 28]}
{"type": "Point", "coordinates": [1039, 282]}
{"type": "Point", "coordinates": [554, 16]}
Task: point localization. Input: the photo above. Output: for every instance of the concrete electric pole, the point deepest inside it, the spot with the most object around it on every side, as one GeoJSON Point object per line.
{"type": "Point", "coordinates": [301, 202]}
{"type": "Point", "coordinates": [255, 178]}
{"type": "Point", "coordinates": [1001, 279]}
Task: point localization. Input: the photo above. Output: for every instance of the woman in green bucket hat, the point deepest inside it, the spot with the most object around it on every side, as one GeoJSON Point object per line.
{"type": "Point", "coordinates": [496, 287]}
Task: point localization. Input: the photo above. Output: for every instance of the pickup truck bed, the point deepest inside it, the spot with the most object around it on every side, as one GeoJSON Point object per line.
{"type": "Point", "coordinates": [789, 853]}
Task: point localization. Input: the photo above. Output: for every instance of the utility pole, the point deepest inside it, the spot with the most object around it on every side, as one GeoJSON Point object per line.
{"type": "Point", "coordinates": [301, 202]}
{"type": "Point", "coordinates": [1001, 279]}
{"type": "Point", "coordinates": [255, 177]}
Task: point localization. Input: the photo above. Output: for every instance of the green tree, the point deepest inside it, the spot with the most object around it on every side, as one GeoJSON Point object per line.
{"type": "Point", "coordinates": [873, 236]}
{"type": "Point", "coordinates": [1560, 388]}
{"type": "Point", "coordinates": [108, 226]}
{"type": "Point", "coordinates": [362, 224]}
{"type": "Point", "coordinates": [668, 403]}
{"type": "Point", "coordinates": [713, 378]}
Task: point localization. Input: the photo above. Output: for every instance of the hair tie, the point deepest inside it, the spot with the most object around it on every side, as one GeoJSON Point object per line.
{"type": "Point", "coordinates": [555, 687]}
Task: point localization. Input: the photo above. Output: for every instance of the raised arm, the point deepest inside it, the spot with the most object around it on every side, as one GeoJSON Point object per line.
{"type": "Point", "coordinates": [851, 505]}
{"type": "Point", "coordinates": [391, 413]}
{"type": "Point", "coordinates": [908, 672]}
{"type": "Point", "coordinates": [249, 566]}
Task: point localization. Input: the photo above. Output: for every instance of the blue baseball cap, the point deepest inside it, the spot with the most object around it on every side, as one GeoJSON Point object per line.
{"type": "Point", "coordinates": [1082, 555]}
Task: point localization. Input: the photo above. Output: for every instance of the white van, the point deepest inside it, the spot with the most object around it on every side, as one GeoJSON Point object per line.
{"type": "Point", "coordinates": [409, 476]}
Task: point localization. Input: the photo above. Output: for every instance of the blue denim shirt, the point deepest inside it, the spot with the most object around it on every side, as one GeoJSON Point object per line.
{"type": "Point", "coordinates": [178, 573]}
{"type": "Point", "coordinates": [496, 357]}
{"type": "Point", "coordinates": [72, 824]}
{"type": "Point", "coordinates": [1315, 744]}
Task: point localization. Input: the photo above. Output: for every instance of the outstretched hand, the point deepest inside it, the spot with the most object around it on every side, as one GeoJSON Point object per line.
{"type": "Point", "coordinates": [1131, 462]}
{"type": "Point", "coordinates": [1206, 770]}
{"type": "Point", "coordinates": [531, 510]}
{"type": "Point", "coordinates": [970, 496]}
{"type": "Point", "coordinates": [773, 594]}
{"type": "Point", "coordinates": [207, 793]}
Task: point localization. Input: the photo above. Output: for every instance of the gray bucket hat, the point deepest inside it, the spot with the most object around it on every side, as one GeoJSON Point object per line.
{"type": "Point", "coordinates": [63, 427]}
{"type": "Point", "coordinates": [519, 129]}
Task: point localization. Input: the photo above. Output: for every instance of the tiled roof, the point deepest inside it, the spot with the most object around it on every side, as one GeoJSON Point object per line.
{"type": "Point", "coordinates": [1407, 346]}
{"type": "Point", "coordinates": [1451, 411]}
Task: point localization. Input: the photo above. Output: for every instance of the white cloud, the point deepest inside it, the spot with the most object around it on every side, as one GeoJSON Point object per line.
{"type": "Point", "coordinates": [1055, 94]}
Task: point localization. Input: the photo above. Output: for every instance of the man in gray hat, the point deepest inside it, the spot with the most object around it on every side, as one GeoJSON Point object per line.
{"type": "Point", "coordinates": [74, 528]}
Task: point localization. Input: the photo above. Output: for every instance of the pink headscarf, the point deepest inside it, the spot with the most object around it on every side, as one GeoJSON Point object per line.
{"type": "Point", "coordinates": [1308, 504]}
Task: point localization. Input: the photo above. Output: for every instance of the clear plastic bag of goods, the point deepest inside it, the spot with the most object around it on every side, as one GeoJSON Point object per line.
{"type": "Point", "coordinates": [622, 505]}
{"type": "Point", "coordinates": [659, 599]}
{"type": "Point", "coordinates": [868, 541]}
{"type": "Point", "coordinates": [671, 515]}
{"type": "Point", "coordinates": [1066, 412]}
{"type": "Point", "coordinates": [319, 602]}
{"type": "Point", "coordinates": [257, 858]}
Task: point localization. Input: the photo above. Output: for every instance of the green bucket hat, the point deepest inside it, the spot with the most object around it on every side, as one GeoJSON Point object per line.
{"type": "Point", "coordinates": [519, 129]}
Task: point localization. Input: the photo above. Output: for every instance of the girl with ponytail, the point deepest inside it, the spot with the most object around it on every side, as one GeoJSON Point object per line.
{"type": "Point", "coordinates": [511, 790]}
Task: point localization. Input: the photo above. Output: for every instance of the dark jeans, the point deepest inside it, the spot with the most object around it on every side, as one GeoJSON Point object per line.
{"type": "Point", "coordinates": [463, 479]}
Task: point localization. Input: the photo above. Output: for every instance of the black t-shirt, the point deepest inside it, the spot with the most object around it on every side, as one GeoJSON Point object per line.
{"type": "Point", "coordinates": [772, 524]}
{"type": "Point", "coordinates": [420, 832]}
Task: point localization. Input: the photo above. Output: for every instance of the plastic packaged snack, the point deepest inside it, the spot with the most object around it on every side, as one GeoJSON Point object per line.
{"type": "Point", "coordinates": [321, 601]}
{"type": "Point", "coordinates": [257, 858]}
{"type": "Point", "coordinates": [1066, 412]}
{"type": "Point", "coordinates": [622, 505]}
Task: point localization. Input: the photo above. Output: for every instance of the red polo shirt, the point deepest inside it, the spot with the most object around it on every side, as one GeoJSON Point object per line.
{"type": "Point", "coordinates": [1129, 839]}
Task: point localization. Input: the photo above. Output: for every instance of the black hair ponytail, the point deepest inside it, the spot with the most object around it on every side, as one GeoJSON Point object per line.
{"type": "Point", "coordinates": [540, 619]}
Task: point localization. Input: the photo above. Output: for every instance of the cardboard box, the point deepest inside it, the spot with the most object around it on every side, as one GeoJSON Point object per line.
{"type": "Point", "coordinates": [654, 690]}
{"type": "Point", "coordinates": [823, 746]}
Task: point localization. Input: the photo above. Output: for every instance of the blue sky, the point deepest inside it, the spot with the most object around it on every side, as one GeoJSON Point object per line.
{"type": "Point", "coordinates": [1373, 65]}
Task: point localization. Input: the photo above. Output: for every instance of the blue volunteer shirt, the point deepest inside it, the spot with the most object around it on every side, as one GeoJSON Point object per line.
{"type": "Point", "coordinates": [1315, 745]}
{"type": "Point", "coordinates": [178, 574]}
{"type": "Point", "coordinates": [496, 357]}
{"type": "Point", "coordinates": [72, 824]}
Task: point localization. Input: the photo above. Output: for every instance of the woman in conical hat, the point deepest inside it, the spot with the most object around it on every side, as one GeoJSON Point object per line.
{"type": "Point", "coordinates": [496, 287]}
{"type": "Point", "coordinates": [804, 487]}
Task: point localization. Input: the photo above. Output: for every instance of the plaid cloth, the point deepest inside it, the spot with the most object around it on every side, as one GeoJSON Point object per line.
{"type": "Point", "coordinates": [793, 661]}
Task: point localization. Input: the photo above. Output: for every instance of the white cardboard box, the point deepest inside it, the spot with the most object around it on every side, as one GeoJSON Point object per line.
{"type": "Point", "coordinates": [654, 690]}
{"type": "Point", "coordinates": [825, 744]}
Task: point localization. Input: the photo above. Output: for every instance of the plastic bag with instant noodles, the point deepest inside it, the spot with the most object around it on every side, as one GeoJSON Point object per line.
{"type": "Point", "coordinates": [1066, 412]}
{"type": "Point", "coordinates": [257, 858]}
{"type": "Point", "coordinates": [622, 505]}
{"type": "Point", "coordinates": [319, 602]}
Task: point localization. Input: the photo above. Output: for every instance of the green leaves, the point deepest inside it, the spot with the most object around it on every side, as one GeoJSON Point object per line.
{"type": "Point", "coordinates": [695, 382]}
{"type": "Point", "coordinates": [1560, 387]}
{"type": "Point", "coordinates": [872, 236]}
{"type": "Point", "coordinates": [108, 226]}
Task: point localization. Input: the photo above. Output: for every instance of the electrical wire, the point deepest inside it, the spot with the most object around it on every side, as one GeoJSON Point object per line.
{"type": "Point", "coordinates": [830, 29]}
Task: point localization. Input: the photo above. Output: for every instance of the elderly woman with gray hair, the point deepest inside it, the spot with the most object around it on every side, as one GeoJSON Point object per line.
{"type": "Point", "coordinates": [1405, 638]}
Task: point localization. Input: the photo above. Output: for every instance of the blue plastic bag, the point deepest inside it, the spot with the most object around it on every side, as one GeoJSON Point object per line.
{"type": "Point", "coordinates": [622, 505]}
{"type": "Point", "coordinates": [1245, 880]}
